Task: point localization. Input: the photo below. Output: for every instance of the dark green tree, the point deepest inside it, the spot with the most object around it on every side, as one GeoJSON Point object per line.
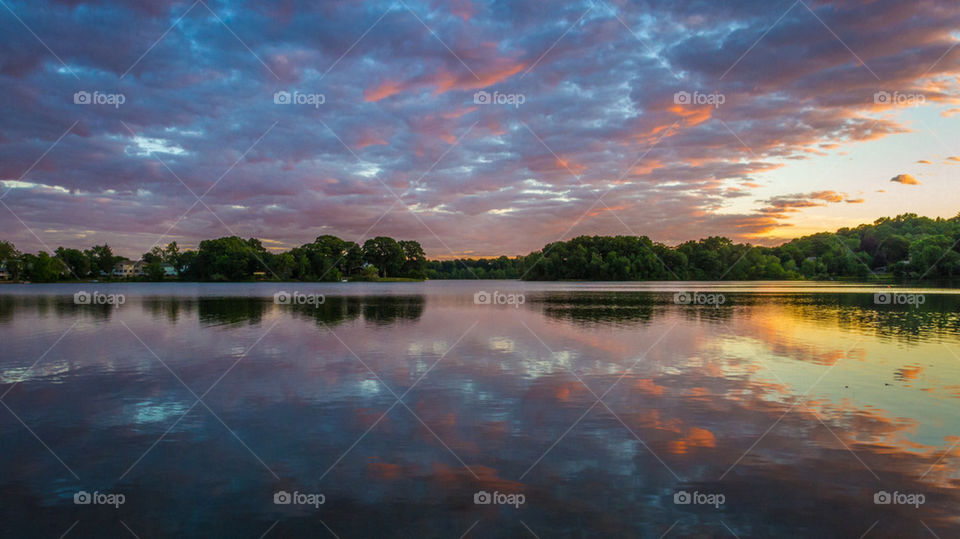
{"type": "Point", "coordinates": [10, 258]}
{"type": "Point", "coordinates": [101, 259]}
{"type": "Point", "coordinates": [415, 261]}
{"type": "Point", "coordinates": [384, 253]}
{"type": "Point", "coordinates": [42, 268]}
{"type": "Point", "coordinates": [77, 263]}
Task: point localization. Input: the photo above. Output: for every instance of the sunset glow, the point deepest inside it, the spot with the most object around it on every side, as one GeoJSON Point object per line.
{"type": "Point", "coordinates": [476, 128]}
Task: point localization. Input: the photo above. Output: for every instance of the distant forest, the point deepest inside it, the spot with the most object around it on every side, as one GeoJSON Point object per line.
{"type": "Point", "coordinates": [906, 247]}
{"type": "Point", "coordinates": [903, 248]}
{"type": "Point", "coordinates": [327, 258]}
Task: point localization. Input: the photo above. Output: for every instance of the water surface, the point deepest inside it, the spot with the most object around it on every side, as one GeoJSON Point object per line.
{"type": "Point", "coordinates": [601, 403]}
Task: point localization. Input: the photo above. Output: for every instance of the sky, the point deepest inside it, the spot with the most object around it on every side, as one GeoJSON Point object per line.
{"type": "Point", "coordinates": [477, 128]}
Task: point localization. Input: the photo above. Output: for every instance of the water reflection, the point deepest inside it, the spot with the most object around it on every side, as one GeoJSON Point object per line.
{"type": "Point", "coordinates": [940, 314]}
{"type": "Point", "coordinates": [218, 311]}
{"type": "Point", "coordinates": [797, 407]}
{"type": "Point", "coordinates": [378, 310]}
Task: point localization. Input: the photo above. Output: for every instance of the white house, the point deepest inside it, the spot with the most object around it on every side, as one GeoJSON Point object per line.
{"type": "Point", "coordinates": [140, 268]}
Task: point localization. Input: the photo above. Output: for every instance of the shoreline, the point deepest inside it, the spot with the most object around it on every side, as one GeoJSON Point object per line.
{"type": "Point", "coordinates": [666, 284]}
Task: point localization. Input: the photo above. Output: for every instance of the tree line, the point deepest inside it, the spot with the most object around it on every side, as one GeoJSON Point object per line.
{"type": "Point", "coordinates": [906, 247]}
{"type": "Point", "coordinates": [327, 258]}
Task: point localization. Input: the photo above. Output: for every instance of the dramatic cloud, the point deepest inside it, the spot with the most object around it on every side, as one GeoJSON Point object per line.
{"type": "Point", "coordinates": [779, 206]}
{"type": "Point", "coordinates": [475, 127]}
{"type": "Point", "coordinates": [905, 179]}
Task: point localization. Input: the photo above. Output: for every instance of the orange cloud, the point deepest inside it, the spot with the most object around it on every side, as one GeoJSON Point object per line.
{"type": "Point", "coordinates": [829, 196]}
{"type": "Point", "coordinates": [780, 205]}
{"type": "Point", "coordinates": [924, 162]}
{"type": "Point", "coordinates": [905, 179]}
{"type": "Point", "coordinates": [692, 115]}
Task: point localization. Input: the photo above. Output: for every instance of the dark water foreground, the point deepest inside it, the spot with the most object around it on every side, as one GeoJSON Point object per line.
{"type": "Point", "coordinates": [410, 410]}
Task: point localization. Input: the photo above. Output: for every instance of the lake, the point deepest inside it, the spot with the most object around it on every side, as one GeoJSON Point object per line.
{"type": "Point", "coordinates": [479, 408]}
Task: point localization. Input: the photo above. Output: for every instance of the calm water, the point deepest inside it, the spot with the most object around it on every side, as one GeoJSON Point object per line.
{"type": "Point", "coordinates": [783, 411]}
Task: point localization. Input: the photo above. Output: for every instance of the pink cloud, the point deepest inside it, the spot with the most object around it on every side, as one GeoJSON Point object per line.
{"type": "Point", "coordinates": [383, 90]}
